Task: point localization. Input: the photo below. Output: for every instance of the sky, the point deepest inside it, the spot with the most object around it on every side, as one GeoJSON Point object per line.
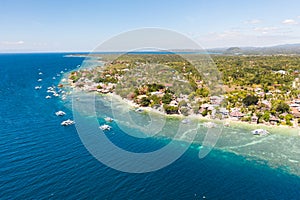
{"type": "Point", "coordinates": [81, 25]}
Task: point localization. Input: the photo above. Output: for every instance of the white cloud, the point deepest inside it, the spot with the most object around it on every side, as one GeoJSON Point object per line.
{"type": "Point", "coordinates": [12, 43]}
{"type": "Point", "coordinates": [289, 22]}
{"type": "Point", "coordinates": [265, 30]}
{"type": "Point", "coordinates": [253, 21]}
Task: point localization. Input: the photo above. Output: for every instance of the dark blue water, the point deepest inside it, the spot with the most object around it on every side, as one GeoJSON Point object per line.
{"type": "Point", "coordinates": [39, 159]}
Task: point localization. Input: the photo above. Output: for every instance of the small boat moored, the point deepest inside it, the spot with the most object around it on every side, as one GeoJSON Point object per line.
{"type": "Point", "coordinates": [48, 97]}
{"type": "Point", "coordinates": [105, 127]}
{"type": "Point", "coordinates": [67, 122]}
{"type": "Point", "coordinates": [108, 119]}
{"type": "Point", "coordinates": [186, 121]}
{"type": "Point", "coordinates": [260, 132]}
{"type": "Point", "coordinates": [139, 110]}
{"type": "Point", "coordinates": [60, 113]}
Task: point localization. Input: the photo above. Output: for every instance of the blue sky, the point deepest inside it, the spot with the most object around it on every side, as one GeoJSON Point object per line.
{"type": "Point", "coordinates": [80, 25]}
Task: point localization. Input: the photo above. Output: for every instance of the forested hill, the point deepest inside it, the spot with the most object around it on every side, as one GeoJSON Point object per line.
{"type": "Point", "coordinates": [273, 50]}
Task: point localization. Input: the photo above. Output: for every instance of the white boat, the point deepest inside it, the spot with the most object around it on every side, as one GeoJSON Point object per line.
{"type": "Point", "coordinates": [53, 78]}
{"type": "Point", "coordinates": [37, 87]}
{"type": "Point", "coordinates": [139, 110]}
{"type": "Point", "coordinates": [40, 73]}
{"type": "Point", "coordinates": [210, 125]}
{"type": "Point", "coordinates": [186, 121]}
{"type": "Point", "coordinates": [60, 113]}
{"type": "Point", "coordinates": [260, 132]}
{"type": "Point", "coordinates": [39, 80]}
{"type": "Point", "coordinates": [55, 94]}
{"type": "Point", "coordinates": [108, 119]}
{"type": "Point", "coordinates": [48, 97]}
{"type": "Point", "coordinates": [67, 122]}
{"type": "Point", "coordinates": [105, 127]}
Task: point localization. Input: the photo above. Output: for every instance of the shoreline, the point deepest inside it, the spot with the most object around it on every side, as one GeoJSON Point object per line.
{"type": "Point", "coordinates": [232, 123]}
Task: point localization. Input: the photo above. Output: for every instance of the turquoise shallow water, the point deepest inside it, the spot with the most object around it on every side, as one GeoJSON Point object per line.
{"type": "Point", "coordinates": [39, 159]}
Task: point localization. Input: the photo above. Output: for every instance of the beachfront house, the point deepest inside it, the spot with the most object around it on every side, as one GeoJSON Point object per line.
{"type": "Point", "coordinates": [254, 119]}
{"type": "Point", "coordinates": [274, 120]}
{"type": "Point", "coordinates": [236, 115]}
{"type": "Point", "coordinates": [173, 103]}
{"type": "Point", "coordinates": [224, 111]}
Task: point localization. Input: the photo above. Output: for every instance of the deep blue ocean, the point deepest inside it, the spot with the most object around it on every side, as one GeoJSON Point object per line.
{"type": "Point", "coordinates": [39, 159]}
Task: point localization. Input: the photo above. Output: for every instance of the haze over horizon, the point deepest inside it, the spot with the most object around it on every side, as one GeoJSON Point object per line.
{"type": "Point", "coordinates": [57, 26]}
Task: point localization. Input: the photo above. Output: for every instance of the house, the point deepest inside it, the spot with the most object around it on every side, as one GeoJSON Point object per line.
{"type": "Point", "coordinates": [205, 106]}
{"type": "Point", "coordinates": [297, 101]}
{"type": "Point", "coordinates": [173, 103]}
{"type": "Point", "coordinates": [257, 89]}
{"type": "Point", "coordinates": [141, 96]}
{"type": "Point", "coordinates": [254, 119]}
{"type": "Point", "coordinates": [260, 94]}
{"type": "Point", "coordinates": [237, 114]}
{"type": "Point", "coordinates": [216, 100]}
{"type": "Point", "coordinates": [266, 103]}
{"type": "Point", "coordinates": [224, 111]}
{"type": "Point", "coordinates": [274, 120]}
{"type": "Point", "coordinates": [296, 112]}
{"type": "Point", "coordinates": [158, 93]}
{"type": "Point", "coordinates": [281, 72]}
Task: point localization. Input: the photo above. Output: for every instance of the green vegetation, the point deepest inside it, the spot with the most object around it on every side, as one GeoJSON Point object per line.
{"type": "Point", "coordinates": [280, 106]}
{"type": "Point", "coordinates": [167, 98]}
{"type": "Point", "coordinates": [171, 109]}
{"type": "Point", "coordinates": [259, 87]}
{"type": "Point", "coordinates": [145, 102]}
{"type": "Point", "coordinates": [250, 100]}
{"type": "Point", "coordinates": [247, 71]}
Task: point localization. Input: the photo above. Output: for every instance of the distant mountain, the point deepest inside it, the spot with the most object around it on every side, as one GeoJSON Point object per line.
{"type": "Point", "coordinates": [233, 50]}
{"type": "Point", "coordinates": [273, 50]}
